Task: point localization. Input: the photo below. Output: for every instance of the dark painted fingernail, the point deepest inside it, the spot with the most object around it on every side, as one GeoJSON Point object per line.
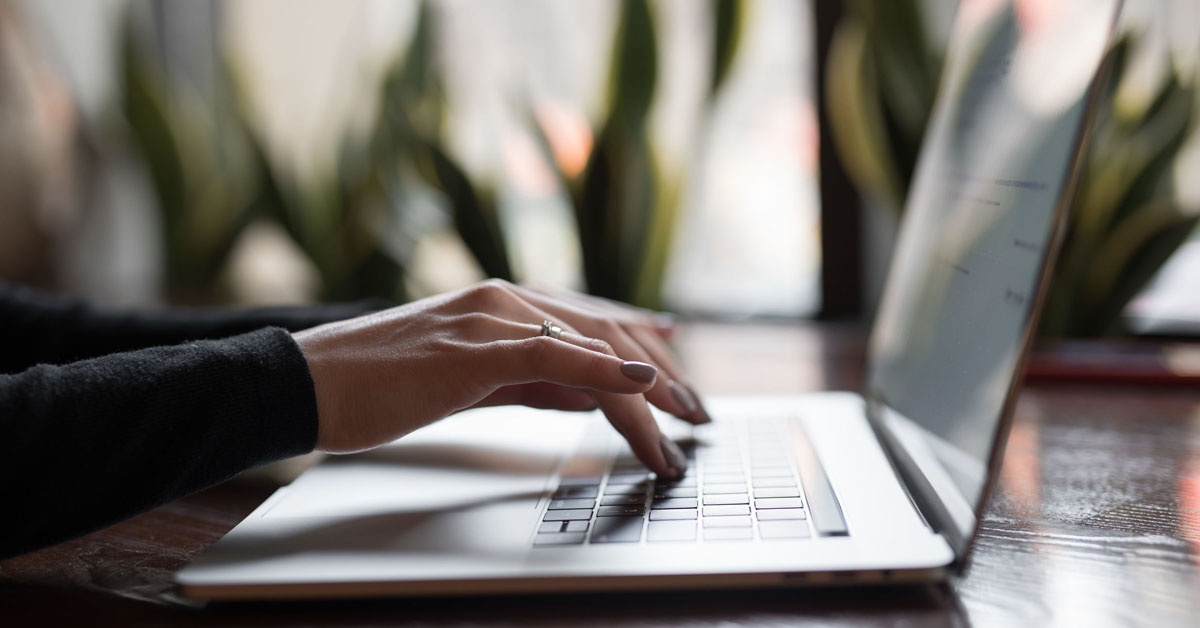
{"type": "Point", "coordinates": [684, 396]}
{"type": "Point", "coordinates": [701, 413]}
{"type": "Point", "coordinates": [675, 458]}
{"type": "Point", "coordinates": [639, 372]}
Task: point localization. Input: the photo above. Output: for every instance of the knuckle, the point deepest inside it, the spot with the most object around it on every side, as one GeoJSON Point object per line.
{"type": "Point", "coordinates": [537, 350]}
{"type": "Point", "coordinates": [488, 293]}
{"type": "Point", "coordinates": [474, 321]}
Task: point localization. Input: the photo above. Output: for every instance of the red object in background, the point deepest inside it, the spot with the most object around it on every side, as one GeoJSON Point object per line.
{"type": "Point", "coordinates": [1130, 362]}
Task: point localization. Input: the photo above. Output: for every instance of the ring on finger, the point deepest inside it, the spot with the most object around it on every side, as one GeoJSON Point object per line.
{"type": "Point", "coordinates": [550, 329]}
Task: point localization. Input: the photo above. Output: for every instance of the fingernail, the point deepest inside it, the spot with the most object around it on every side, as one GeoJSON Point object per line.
{"type": "Point", "coordinates": [674, 455]}
{"type": "Point", "coordinates": [682, 395]}
{"type": "Point", "coordinates": [701, 413]}
{"type": "Point", "coordinates": [639, 372]}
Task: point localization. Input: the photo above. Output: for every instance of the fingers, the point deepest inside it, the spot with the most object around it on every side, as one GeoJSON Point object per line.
{"type": "Point", "coordinates": [632, 336]}
{"type": "Point", "coordinates": [615, 382]}
{"type": "Point", "coordinates": [546, 359]}
{"type": "Point", "coordinates": [662, 323]}
{"type": "Point", "coordinates": [631, 417]}
{"type": "Point", "coordinates": [585, 355]}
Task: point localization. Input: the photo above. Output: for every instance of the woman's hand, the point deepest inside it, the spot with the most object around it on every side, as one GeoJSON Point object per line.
{"type": "Point", "coordinates": [381, 376]}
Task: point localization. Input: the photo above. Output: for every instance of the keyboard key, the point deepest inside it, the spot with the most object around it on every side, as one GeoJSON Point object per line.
{"type": "Point", "coordinates": [676, 491]}
{"type": "Point", "coordinates": [568, 504]}
{"type": "Point", "coordinates": [672, 502]}
{"type": "Point", "coordinates": [568, 515]}
{"type": "Point", "coordinates": [779, 502]}
{"type": "Point", "coordinates": [678, 514]}
{"type": "Point", "coordinates": [772, 472]}
{"type": "Point", "coordinates": [773, 482]}
{"type": "Point", "coordinates": [687, 480]}
{"type": "Point", "coordinates": [782, 513]}
{"type": "Point", "coordinates": [617, 530]}
{"type": "Point", "coordinates": [551, 526]}
{"type": "Point", "coordinates": [728, 534]}
{"type": "Point", "coordinates": [575, 526]}
{"type": "Point", "coordinates": [724, 478]}
{"type": "Point", "coordinates": [577, 492]}
{"type": "Point", "coordinates": [715, 489]}
{"type": "Point", "coordinates": [716, 500]}
{"type": "Point", "coordinates": [562, 538]}
{"type": "Point", "coordinates": [621, 511]}
{"type": "Point", "coordinates": [722, 468]}
{"type": "Point", "coordinates": [671, 531]}
{"type": "Point", "coordinates": [628, 478]}
{"type": "Point", "coordinates": [728, 522]}
{"type": "Point", "coordinates": [626, 489]}
{"type": "Point", "coordinates": [622, 500]}
{"type": "Point", "coordinates": [725, 511]}
{"type": "Point", "coordinates": [783, 529]}
{"type": "Point", "coordinates": [782, 491]}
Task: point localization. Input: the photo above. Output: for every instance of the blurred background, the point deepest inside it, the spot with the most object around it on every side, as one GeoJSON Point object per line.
{"type": "Point", "coordinates": [660, 152]}
{"type": "Point", "coordinates": [272, 150]}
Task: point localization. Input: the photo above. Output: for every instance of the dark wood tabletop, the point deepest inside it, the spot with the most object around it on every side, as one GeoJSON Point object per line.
{"type": "Point", "coordinates": [1096, 522]}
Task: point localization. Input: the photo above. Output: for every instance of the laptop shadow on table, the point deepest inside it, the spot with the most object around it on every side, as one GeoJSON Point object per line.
{"type": "Point", "coordinates": [924, 605]}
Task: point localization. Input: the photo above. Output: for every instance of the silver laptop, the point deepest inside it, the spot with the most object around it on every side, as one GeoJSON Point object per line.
{"type": "Point", "coordinates": [834, 487]}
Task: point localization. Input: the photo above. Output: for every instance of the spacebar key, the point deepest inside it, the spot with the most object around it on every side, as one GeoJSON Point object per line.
{"type": "Point", "coordinates": [823, 504]}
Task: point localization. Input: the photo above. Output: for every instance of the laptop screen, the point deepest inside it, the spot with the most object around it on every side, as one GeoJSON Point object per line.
{"type": "Point", "coordinates": [979, 227]}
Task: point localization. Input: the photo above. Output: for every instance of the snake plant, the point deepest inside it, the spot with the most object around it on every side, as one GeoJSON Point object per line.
{"type": "Point", "coordinates": [1126, 219]}
{"type": "Point", "coordinates": [625, 203]}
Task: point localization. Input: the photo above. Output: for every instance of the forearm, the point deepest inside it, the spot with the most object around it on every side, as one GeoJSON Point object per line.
{"type": "Point", "coordinates": [40, 328]}
{"type": "Point", "coordinates": [88, 444]}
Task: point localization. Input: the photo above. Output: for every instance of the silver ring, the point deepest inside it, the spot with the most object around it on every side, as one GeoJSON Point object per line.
{"type": "Point", "coordinates": [550, 329]}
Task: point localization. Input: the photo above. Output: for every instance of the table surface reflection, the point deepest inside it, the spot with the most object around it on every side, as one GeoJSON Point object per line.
{"type": "Point", "coordinates": [1096, 522]}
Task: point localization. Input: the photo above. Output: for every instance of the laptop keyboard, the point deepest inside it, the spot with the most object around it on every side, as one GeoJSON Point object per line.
{"type": "Point", "coordinates": [742, 484]}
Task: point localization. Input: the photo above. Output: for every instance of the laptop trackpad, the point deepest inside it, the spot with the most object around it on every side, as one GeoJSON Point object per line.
{"type": "Point", "coordinates": [421, 490]}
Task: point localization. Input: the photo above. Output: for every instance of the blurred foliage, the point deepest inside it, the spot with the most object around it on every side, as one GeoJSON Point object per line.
{"type": "Point", "coordinates": [625, 204]}
{"type": "Point", "coordinates": [212, 175]}
{"type": "Point", "coordinates": [201, 169]}
{"type": "Point", "coordinates": [351, 227]}
{"type": "Point", "coordinates": [1126, 219]}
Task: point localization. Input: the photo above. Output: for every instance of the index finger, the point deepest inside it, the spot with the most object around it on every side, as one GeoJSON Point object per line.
{"type": "Point", "coordinates": [618, 385]}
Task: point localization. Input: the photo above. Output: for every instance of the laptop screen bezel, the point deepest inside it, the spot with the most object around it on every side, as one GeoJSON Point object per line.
{"type": "Point", "coordinates": [934, 502]}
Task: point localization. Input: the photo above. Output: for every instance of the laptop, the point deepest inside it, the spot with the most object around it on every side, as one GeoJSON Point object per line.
{"type": "Point", "coordinates": [886, 486]}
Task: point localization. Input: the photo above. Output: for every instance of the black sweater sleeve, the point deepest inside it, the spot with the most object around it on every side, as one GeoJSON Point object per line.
{"type": "Point", "coordinates": [91, 443]}
{"type": "Point", "coordinates": [40, 328]}
{"type": "Point", "coordinates": [87, 443]}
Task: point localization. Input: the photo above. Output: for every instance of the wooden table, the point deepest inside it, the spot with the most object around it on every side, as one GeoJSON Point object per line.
{"type": "Point", "coordinates": [1097, 522]}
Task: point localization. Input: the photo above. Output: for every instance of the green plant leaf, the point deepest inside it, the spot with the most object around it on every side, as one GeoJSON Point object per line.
{"type": "Point", "coordinates": [907, 70]}
{"type": "Point", "coordinates": [1130, 256]}
{"type": "Point", "coordinates": [145, 106]}
{"type": "Point", "coordinates": [475, 215]}
{"type": "Point", "coordinates": [729, 17]}
{"type": "Point", "coordinates": [634, 70]}
{"type": "Point", "coordinates": [856, 120]}
{"type": "Point", "coordinates": [659, 240]}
